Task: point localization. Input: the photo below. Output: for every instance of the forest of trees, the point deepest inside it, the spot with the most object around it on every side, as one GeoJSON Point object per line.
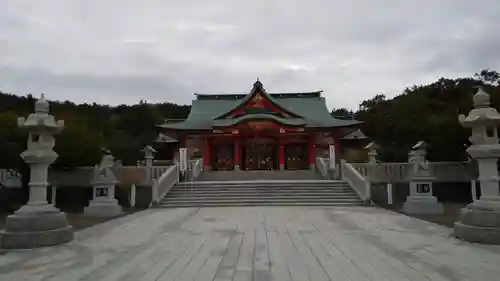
{"type": "Point", "coordinates": [421, 112]}
{"type": "Point", "coordinates": [424, 112]}
{"type": "Point", "coordinates": [124, 129]}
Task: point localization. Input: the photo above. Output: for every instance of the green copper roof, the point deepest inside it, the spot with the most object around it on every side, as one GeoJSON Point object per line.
{"type": "Point", "coordinates": [310, 106]}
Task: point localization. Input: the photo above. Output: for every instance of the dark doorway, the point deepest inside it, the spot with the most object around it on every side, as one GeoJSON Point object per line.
{"type": "Point", "coordinates": [223, 158]}
{"type": "Point", "coordinates": [259, 154]}
{"type": "Point", "coordinates": [296, 157]}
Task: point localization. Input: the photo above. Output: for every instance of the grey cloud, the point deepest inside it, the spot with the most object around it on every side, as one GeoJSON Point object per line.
{"type": "Point", "coordinates": [122, 50]}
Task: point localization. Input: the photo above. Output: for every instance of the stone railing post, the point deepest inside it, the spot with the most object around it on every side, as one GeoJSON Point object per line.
{"type": "Point", "coordinates": [37, 223]}
{"type": "Point", "coordinates": [480, 220]}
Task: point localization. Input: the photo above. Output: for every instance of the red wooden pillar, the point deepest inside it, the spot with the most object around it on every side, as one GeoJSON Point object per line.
{"type": "Point", "coordinates": [336, 143]}
{"type": "Point", "coordinates": [237, 154]}
{"type": "Point", "coordinates": [281, 156]}
{"type": "Point", "coordinates": [182, 141]}
{"type": "Point", "coordinates": [311, 151]}
{"type": "Point", "coordinates": [206, 155]}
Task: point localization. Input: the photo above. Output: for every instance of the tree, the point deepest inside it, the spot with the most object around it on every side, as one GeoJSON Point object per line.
{"type": "Point", "coordinates": [342, 113]}
{"type": "Point", "coordinates": [489, 77]}
{"type": "Point", "coordinates": [125, 129]}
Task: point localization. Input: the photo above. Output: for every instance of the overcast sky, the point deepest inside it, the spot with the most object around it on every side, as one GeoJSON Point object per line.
{"type": "Point", "coordinates": [121, 51]}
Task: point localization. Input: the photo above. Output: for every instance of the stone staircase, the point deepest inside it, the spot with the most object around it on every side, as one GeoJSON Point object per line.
{"type": "Point", "coordinates": [261, 191]}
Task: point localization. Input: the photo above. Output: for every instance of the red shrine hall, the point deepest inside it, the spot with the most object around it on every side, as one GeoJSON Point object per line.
{"type": "Point", "coordinates": [259, 130]}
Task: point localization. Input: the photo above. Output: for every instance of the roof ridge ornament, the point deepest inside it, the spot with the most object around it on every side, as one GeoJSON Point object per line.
{"type": "Point", "coordinates": [258, 85]}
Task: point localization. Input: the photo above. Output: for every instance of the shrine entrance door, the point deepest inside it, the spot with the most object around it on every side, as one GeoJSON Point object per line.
{"type": "Point", "coordinates": [259, 154]}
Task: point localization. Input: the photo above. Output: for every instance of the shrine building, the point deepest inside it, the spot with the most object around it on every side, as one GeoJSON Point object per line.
{"type": "Point", "coordinates": [259, 130]}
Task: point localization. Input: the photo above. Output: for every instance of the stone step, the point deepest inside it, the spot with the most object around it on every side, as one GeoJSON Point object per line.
{"type": "Point", "coordinates": [265, 185]}
{"type": "Point", "coordinates": [257, 196]}
{"type": "Point", "coordinates": [267, 182]}
{"type": "Point", "coordinates": [259, 203]}
{"type": "Point", "coordinates": [264, 193]}
{"type": "Point", "coordinates": [264, 188]}
{"type": "Point", "coordinates": [258, 199]}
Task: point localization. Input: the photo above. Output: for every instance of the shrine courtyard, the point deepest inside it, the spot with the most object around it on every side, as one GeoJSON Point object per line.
{"type": "Point", "coordinates": [259, 243]}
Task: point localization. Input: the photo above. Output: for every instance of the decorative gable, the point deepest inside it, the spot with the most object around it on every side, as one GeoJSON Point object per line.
{"type": "Point", "coordinates": [258, 102]}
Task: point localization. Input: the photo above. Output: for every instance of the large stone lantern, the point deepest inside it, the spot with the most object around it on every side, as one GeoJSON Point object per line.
{"type": "Point", "coordinates": [38, 223]}
{"type": "Point", "coordinates": [480, 220]}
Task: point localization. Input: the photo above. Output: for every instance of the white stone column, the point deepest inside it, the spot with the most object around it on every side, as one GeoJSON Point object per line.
{"type": "Point", "coordinates": [480, 220]}
{"type": "Point", "coordinates": [37, 223]}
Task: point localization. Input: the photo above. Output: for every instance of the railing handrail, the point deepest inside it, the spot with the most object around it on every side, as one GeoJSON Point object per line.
{"type": "Point", "coordinates": [156, 171]}
{"type": "Point", "coordinates": [357, 181]}
{"type": "Point", "coordinates": [196, 168]}
{"type": "Point", "coordinates": [322, 167]}
{"type": "Point", "coordinates": [401, 171]}
{"type": "Point", "coordinates": [162, 185]}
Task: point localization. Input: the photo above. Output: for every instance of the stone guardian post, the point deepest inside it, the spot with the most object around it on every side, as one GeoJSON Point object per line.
{"type": "Point", "coordinates": [421, 200]}
{"type": "Point", "coordinates": [480, 220]}
{"type": "Point", "coordinates": [103, 203]}
{"type": "Point", "coordinates": [37, 223]}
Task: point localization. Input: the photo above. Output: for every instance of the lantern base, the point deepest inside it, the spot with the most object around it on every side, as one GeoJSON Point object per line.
{"type": "Point", "coordinates": [422, 205]}
{"type": "Point", "coordinates": [480, 222]}
{"type": "Point", "coordinates": [34, 226]}
{"type": "Point", "coordinates": [103, 208]}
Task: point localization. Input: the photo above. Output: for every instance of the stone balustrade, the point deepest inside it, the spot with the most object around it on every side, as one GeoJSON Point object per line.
{"type": "Point", "coordinates": [399, 172]}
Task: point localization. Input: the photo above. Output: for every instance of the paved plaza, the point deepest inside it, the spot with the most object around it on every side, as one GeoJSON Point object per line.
{"type": "Point", "coordinates": [259, 243]}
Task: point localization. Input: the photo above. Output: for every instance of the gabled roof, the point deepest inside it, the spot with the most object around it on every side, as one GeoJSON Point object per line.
{"type": "Point", "coordinates": [258, 89]}
{"type": "Point", "coordinates": [165, 139]}
{"type": "Point", "coordinates": [356, 135]}
{"type": "Point", "coordinates": [309, 107]}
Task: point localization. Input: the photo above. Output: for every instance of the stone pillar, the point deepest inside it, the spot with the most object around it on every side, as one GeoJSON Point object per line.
{"type": "Point", "coordinates": [148, 161]}
{"type": "Point", "coordinates": [281, 156]}
{"type": "Point", "coordinates": [480, 220]}
{"type": "Point", "coordinates": [103, 203]}
{"type": "Point", "coordinates": [237, 156]}
{"type": "Point", "coordinates": [38, 223]}
{"type": "Point", "coordinates": [206, 155]}
{"type": "Point", "coordinates": [421, 200]}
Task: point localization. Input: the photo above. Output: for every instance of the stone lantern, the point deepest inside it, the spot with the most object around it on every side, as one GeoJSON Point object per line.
{"type": "Point", "coordinates": [38, 223]}
{"type": "Point", "coordinates": [418, 152]}
{"type": "Point", "coordinates": [480, 220]}
{"type": "Point", "coordinates": [373, 149]}
{"type": "Point", "coordinates": [421, 200]}
{"type": "Point", "coordinates": [149, 155]}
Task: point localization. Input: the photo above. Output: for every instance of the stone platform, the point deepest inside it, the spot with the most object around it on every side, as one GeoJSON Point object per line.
{"type": "Point", "coordinates": [259, 243]}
